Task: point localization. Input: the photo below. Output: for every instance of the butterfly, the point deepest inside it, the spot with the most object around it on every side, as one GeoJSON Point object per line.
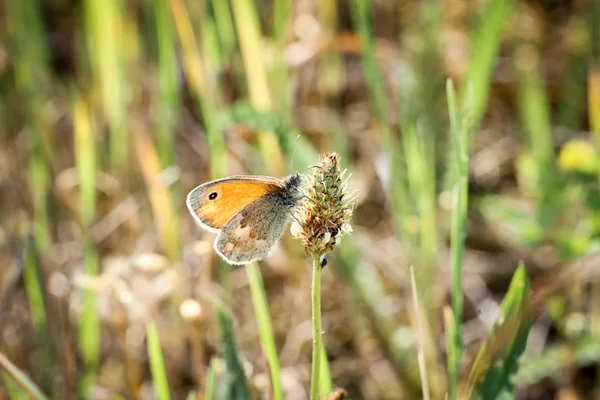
{"type": "Point", "coordinates": [249, 212]}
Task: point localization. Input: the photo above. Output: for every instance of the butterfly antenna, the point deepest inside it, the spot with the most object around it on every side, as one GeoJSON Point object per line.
{"type": "Point", "coordinates": [294, 153]}
{"type": "Point", "coordinates": [312, 166]}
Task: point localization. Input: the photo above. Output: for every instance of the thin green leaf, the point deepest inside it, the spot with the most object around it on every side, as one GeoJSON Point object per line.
{"type": "Point", "coordinates": [157, 365]}
{"type": "Point", "coordinates": [22, 381]}
{"type": "Point", "coordinates": [211, 379]}
{"type": "Point", "coordinates": [493, 372]}
{"type": "Point", "coordinates": [484, 51]}
{"type": "Point", "coordinates": [233, 381]}
{"type": "Point", "coordinates": [267, 340]}
{"type": "Point", "coordinates": [460, 137]}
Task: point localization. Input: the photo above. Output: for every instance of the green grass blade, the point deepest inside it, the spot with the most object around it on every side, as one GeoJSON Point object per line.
{"type": "Point", "coordinates": [211, 379]}
{"type": "Point", "coordinates": [40, 180]}
{"type": "Point", "coordinates": [167, 104]}
{"type": "Point", "coordinates": [362, 16]}
{"type": "Point", "coordinates": [534, 109]}
{"type": "Point", "coordinates": [249, 36]}
{"type": "Point", "coordinates": [32, 84]}
{"type": "Point", "coordinates": [106, 58]}
{"type": "Point", "coordinates": [211, 53]}
{"type": "Point", "coordinates": [194, 68]}
{"type": "Point", "coordinates": [368, 286]}
{"type": "Point", "coordinates": [233, 381]}
{"type": "Point", "coordinates": [22, 381]}
{"type": "Point", "coordinates": [493, 373]}
{"type": "Point", "coordinates": [225, 28]}
{"type": "Point", "coordinates": [460, 139]}
{"type": "Point", "coordinates": [572, 92]}
{"type": "Point", "coordinates": [163, 205]}
{"type": "Point", "coordinates": [211, 100]}
{"type": "Point", "coordinates": [34, 288]}
{"type": "Point", "coordinates": [594, 101]}
{"type": "Point", "coordinates": [85, 160]}
{"type": "Point", "coordinates": [283, 13]}
{"type": "Point", "coordinates": [265, 330]}
{"type": "Point", "coordinates": [362, 19]}
{"type": "Point", "coordinates": [13, 391]}
{"type": "Point", "coordinates": [245, 114]}
{"type": "Point", "coordinates": [535, 116]}
{"type": "Point", "coordinates": [484, 54]}
{"type": "Point", "coordinates": [157, 365]}
{"type": "Point", "coordinates": [331, 76]}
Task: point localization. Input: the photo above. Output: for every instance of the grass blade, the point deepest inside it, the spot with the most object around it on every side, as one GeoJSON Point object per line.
{"type": "Point", "coordinates": [484, 54]}
{"type": "Point", "coordinates": [89, 325]}
{"type": "Point", "coordinates": [157, 365]}
{"type": "Point", "coordinates": [32, 85]}
{"type": "Point", "coordinates": [535, 109]}
{"type": "Point", "coordinates": [331, 76]}
{"type": "Point", "coordinates": [594, 101]}
{"type": "Point", "coordinates": [167, 103]}
{"type": "Point", "coordinates": [106, 54]}
{"type": "Point", "coordinates": [211, 379]}
{"type": "Point", "coordinates": [233, 382]}
{"type": "Point", "coordinates": [160, 199]}
{"type": "Point", "coordinates": [419, 336]}
{"type": "Point", "coordinates": [493, 371]}
{"type": "Point", "coordinates": [283, 13]}
{"type": "Point", "coordinates": [368, 286]}
{"type": "Point", "coordinates": [23, 382]}
{"type": "Point", "coordinates": [265, 330]}
{"type": "Point", "coordinates": [224, 26]}
{"type": "Point", "coordinates": [460, 139]}
{"type": "Point", "coordinates": [250, 38]}
{"type": "Point", "coordinates": [194, 69]}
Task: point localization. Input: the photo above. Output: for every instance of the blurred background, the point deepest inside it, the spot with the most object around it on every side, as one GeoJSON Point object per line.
{"type": "Point", "coordinates": [111, 111]}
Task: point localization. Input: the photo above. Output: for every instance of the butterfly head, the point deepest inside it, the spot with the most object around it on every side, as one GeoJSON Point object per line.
{"type": "Point", "coordinates": [293, 184]}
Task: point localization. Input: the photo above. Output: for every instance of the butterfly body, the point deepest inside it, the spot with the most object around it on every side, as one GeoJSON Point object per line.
{"type": "Point", "coordinates": [249, 213]}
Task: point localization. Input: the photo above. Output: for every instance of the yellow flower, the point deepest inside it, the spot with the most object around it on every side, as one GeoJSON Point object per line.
{"type": "Point", "coordinates": [578, 155]}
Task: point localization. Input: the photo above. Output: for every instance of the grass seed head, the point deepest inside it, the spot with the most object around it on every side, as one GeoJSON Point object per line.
{"type": "Point", "coordinates": [324, 217]}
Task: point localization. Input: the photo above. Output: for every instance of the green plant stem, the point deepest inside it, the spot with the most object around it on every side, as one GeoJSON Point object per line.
{"type": "Point", "coordinates": [325, 374]}
{"type": "Point", "coordinates": [265, 330]}
{"type": "Point", "coordinates": [316, 321]}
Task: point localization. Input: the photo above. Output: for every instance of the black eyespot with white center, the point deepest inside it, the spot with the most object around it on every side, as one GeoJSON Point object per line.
{"type": "Point", "coordinates": [212, 196]}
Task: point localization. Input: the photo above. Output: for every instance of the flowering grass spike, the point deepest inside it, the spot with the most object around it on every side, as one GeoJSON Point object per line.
{"type": "Point", "coordinates": [324, 217]}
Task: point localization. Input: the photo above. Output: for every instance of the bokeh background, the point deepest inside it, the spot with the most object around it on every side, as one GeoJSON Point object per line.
{"type": "Point", "coordinates": [111, 111]}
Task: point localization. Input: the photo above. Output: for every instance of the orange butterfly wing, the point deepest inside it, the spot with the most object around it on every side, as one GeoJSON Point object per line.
{"type": "Point", "coordinates": [214, 203]}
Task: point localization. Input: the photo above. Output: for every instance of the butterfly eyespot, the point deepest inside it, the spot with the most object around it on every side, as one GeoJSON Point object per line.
{"type": "Point", "coordinates": [212, 196]}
